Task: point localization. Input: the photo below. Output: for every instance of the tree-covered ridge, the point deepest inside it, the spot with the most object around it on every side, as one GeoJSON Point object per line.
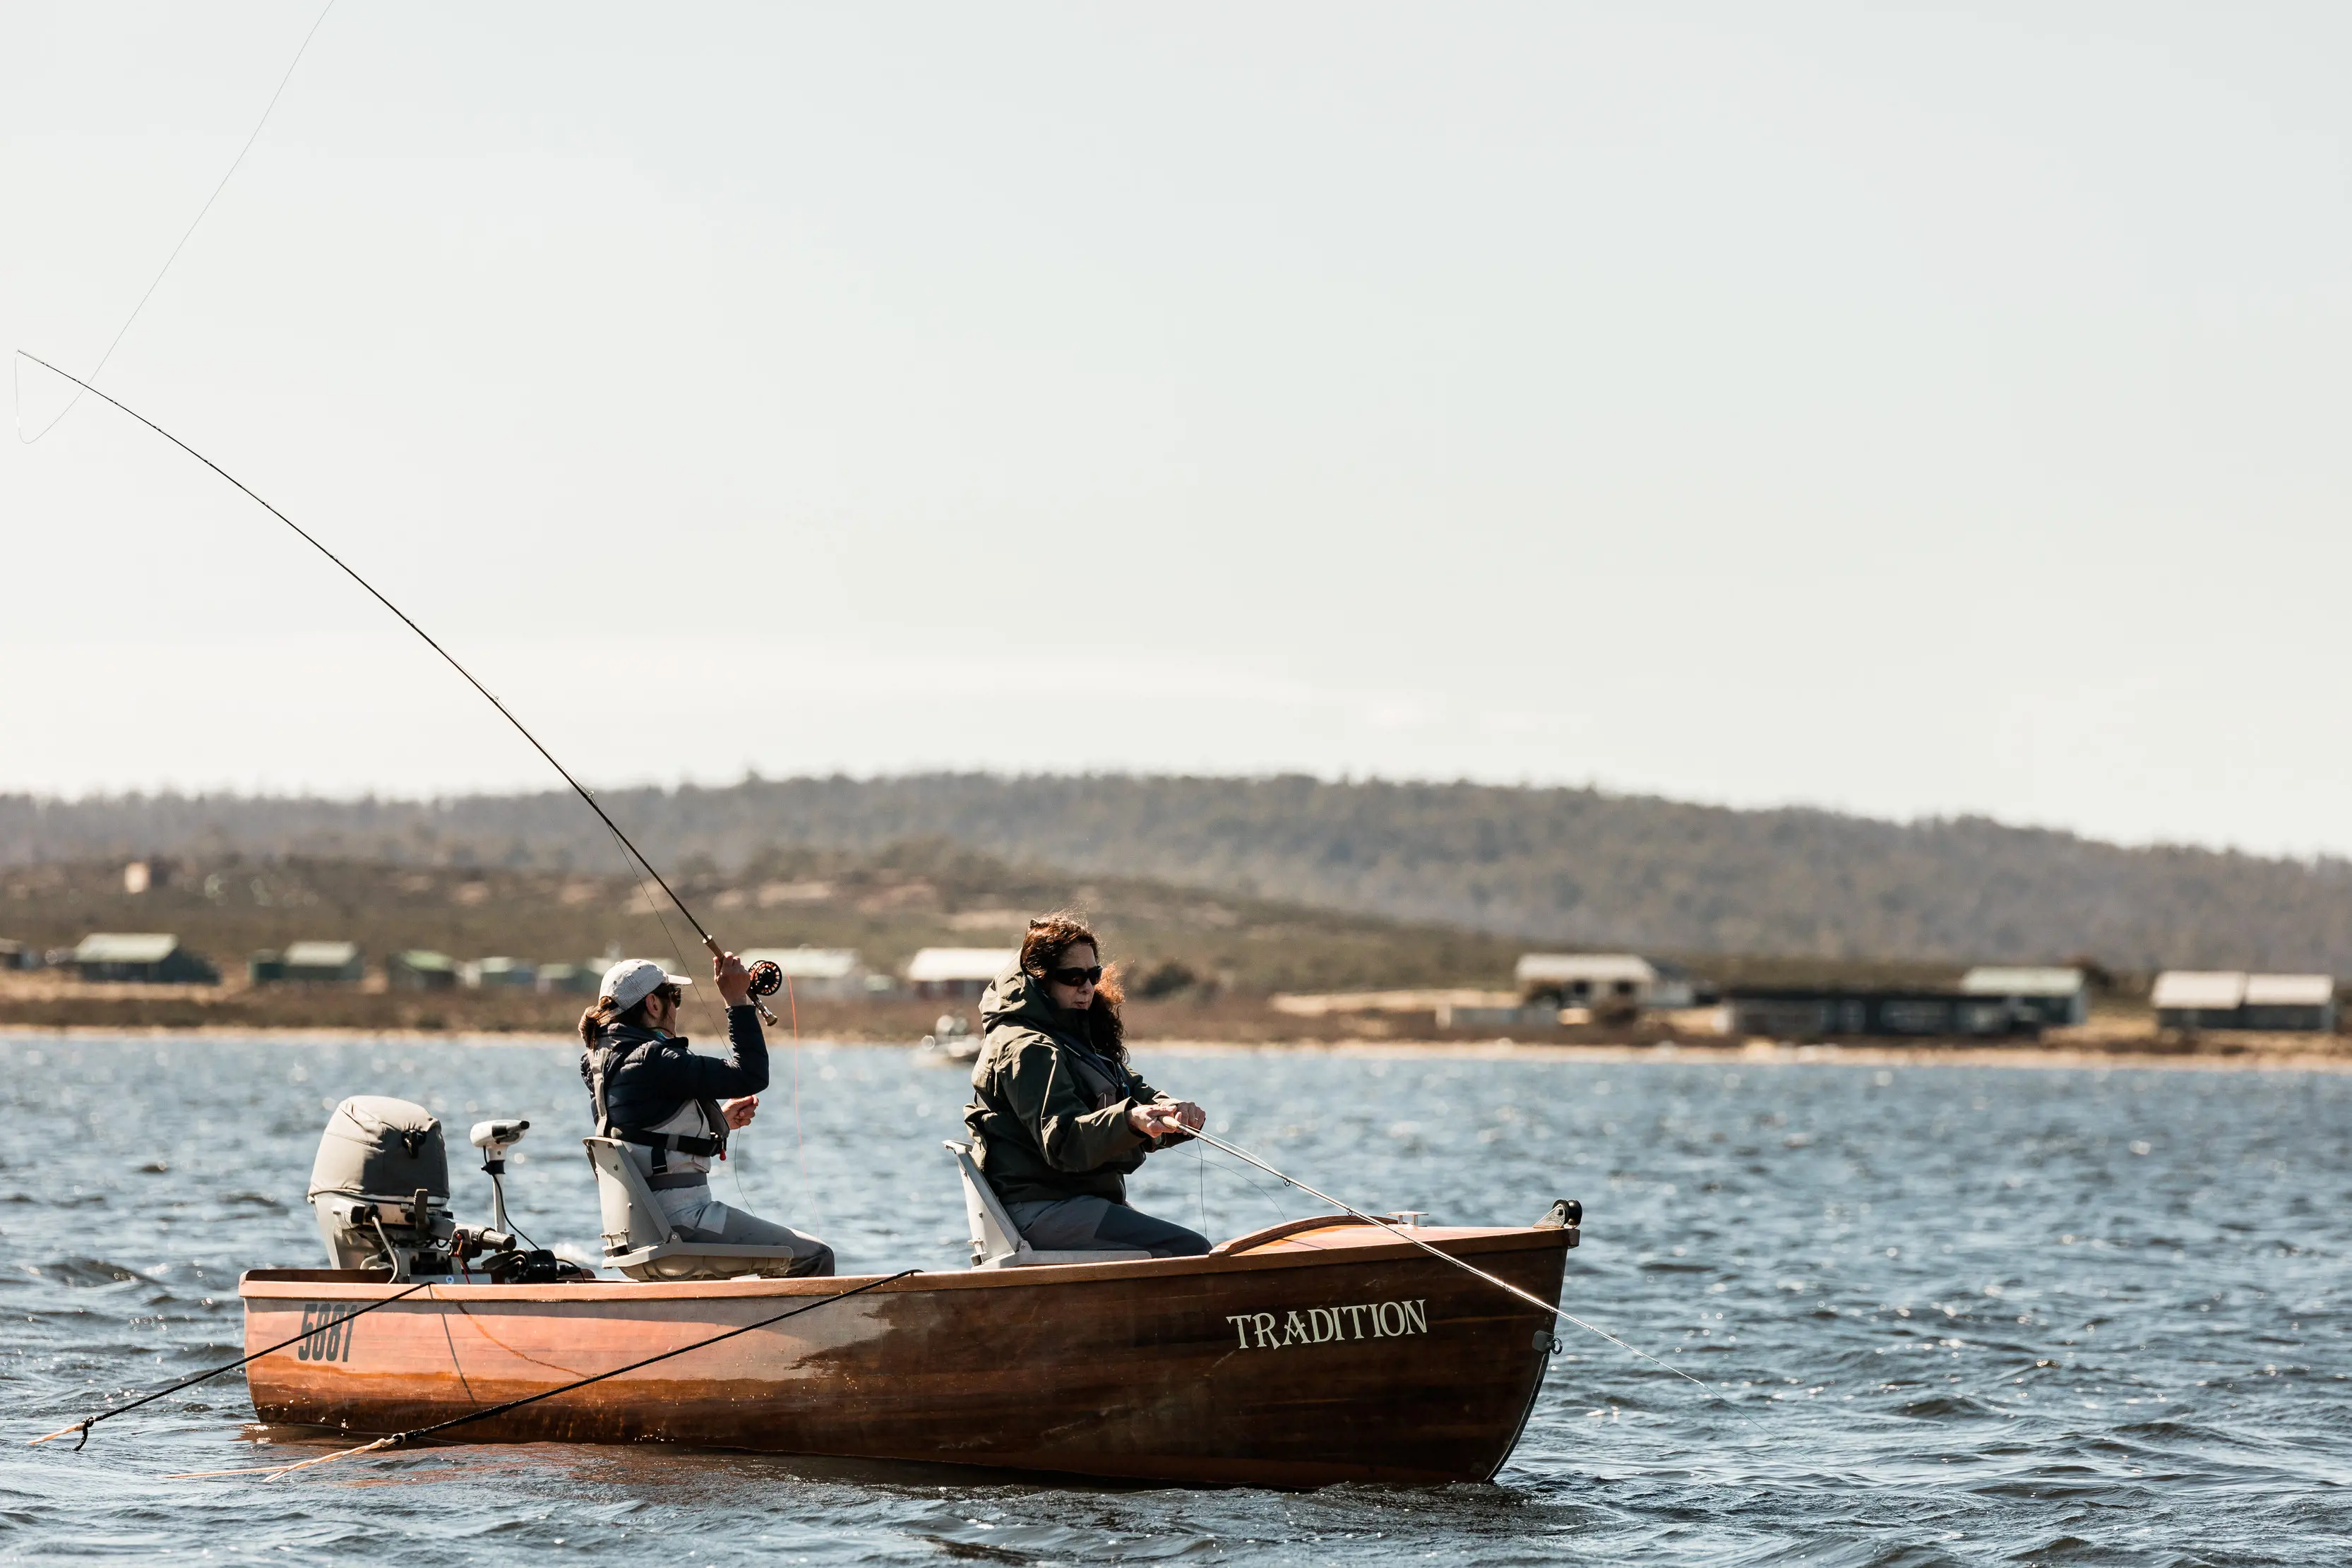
{"type": "Point", "coordinates": [1565, 866]}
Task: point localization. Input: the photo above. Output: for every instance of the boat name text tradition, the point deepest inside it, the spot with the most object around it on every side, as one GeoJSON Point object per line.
{"type": "Point", "coordinates": [1321, 1326]}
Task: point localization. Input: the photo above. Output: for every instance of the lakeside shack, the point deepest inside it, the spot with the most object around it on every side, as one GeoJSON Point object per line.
{"type": "Point", "coordinates": [497, 974]}
{"type": "Point", "coordinates": [421, 969]}
{"type": "Point", "coordinates": [1601, 980]}
{"type": "Point", "coordinates": [140, 957]}
{"type": "Point", "coordinates": [818, 973]}
{"type": "Point", "coordinates": [957, 974]}
{"type": "Point", "coordinates": [567, 979]}
{"type": "Point", "coordinates": [2193, 999]}
{"type": "Point", "coordinates": [324, 963]}
{"type": "Point", "coordinates": [1821, 1012]}
{"type": "Point", "coordinates": [2054, 998]}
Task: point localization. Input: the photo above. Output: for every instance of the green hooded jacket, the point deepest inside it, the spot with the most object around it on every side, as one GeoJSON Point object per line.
{"type": "Point", "coordinates": [1048, 1116]}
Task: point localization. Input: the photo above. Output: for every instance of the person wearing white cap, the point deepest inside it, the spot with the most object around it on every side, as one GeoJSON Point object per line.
{"type": "Point", "coordinates": [673, 1107]}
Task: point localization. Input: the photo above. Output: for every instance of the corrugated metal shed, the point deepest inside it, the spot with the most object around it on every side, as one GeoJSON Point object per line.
{"type": "Point", "coordinates": [932, 966]}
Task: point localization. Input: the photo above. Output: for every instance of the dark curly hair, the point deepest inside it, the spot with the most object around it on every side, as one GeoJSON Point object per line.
{"type": "Point", "coordinates": [1048, 940]}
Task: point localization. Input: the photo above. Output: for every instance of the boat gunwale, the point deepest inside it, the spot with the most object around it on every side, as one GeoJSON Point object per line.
{"type": "Point", "coordinates": [306, 1284]}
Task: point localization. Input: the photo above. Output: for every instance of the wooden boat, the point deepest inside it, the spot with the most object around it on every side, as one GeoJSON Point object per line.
{"type": "Point", "coordinates": [1318, 1350]}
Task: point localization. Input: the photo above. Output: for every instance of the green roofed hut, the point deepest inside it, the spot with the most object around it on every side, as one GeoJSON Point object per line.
{"type": "Point", "coordinates": [569, 979]}
{"type": "Point", "coordinates": [421, 969]}
{"type": "Point", "coordinates": [501, 974]}
{"type": "Point", "coordinates": [149, 957]}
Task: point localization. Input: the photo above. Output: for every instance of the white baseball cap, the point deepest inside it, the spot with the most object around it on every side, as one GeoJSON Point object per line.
{"type": "Point", "coordinates": [631, 980]}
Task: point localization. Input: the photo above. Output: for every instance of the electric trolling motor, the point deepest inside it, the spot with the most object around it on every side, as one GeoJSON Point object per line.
{"type": "Point", "coordinates": [494, 1139]}
{"type": "Point", "coordinates": [506, 1262]}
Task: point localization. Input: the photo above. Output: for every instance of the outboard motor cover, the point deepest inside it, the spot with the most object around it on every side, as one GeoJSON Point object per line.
{"type": "Point", "coordinates": [377, 1155]}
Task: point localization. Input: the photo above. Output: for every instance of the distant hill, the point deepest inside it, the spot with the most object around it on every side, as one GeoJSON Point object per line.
{"type": "Point", "coordinates": [1172, 944]}
{"type": "Point", "coordinates": [1558, 866]}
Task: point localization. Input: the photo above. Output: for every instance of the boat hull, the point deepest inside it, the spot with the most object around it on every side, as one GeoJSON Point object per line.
{"type": "Point", "coordinates": [1324, 1355]}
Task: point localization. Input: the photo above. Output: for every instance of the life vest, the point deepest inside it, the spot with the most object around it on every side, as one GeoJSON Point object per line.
{"type": "Point", "coordinates": [606, 1059]}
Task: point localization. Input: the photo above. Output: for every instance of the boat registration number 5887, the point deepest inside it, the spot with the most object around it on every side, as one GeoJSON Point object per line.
{"type": "Point", "coordinates": [324, 1338]}
{"type": "Point", "coordinates": [1322, 1325]}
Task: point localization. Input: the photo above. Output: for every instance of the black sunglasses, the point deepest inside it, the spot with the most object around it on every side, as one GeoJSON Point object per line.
{"type": "Point", "coordinates": [1088, 976]}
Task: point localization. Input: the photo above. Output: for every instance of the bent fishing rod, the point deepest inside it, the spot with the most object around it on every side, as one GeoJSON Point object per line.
{"type": "Point", "coordinates": [1401, 1234]}
{"type": "Point", "coordinates": [767, 976]}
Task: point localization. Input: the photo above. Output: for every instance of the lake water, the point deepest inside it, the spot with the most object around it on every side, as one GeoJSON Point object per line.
{"type": "Point", "coordinates": [1955, 1315]}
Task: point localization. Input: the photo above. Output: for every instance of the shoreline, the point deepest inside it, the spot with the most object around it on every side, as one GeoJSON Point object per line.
{"type": "Point", "coordinates": [1750, 1054]}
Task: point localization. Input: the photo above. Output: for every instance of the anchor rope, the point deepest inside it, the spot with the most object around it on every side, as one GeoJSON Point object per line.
{"type": "Point", "coordinates": [86, 1422]}
{"type": "Point", "coordinates": [272, 1472]}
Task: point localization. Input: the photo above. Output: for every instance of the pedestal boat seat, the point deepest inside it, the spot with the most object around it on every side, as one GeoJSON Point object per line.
{"type": "Point", "coordinates": [997, 1244]}
{"type": "Point", "coordinates": [640, 1243]}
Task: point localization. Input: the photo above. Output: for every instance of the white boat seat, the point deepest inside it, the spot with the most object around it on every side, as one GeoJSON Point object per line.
{"type": "Point", "coordinates": [996, 1244]}
{"type": "Point", "coordinates": [640, 1243]}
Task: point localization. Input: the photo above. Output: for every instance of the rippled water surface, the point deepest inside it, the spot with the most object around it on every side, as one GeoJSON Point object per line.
{"type": "Point", "coordinates": [1955, 1316]}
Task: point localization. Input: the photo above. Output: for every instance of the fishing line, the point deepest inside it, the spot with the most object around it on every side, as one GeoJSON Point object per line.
{"type": "Point", "coordinates": [577, 788]}
{"type": "Point", "coordinates": [272, 1472]}
{"type": "Point", "coordinates": [800, 1145]}
{"type": "Point", "coordinates": [86, 1422]}
{"type": "Point", "coordinates": [72, 402]}
{"type": "Point", "coordinates": [1201, 1187]}
{"type": "Point", "coordinates": [677, 949]}
{"type": "Point", "coordinates": [1273, 1201]}
{"type": "Point", "coordinates": [1500, 1284]}
{"type": "Point", "coordinates": [800, 1142]}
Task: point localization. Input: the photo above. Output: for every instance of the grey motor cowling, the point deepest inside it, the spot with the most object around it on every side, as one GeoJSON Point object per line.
{"type": "Point", "coordinates": [379, 1187]}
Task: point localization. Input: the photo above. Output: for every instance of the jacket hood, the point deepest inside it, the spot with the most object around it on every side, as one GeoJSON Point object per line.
{"type": "Point", "coordinates": [1019, 999]}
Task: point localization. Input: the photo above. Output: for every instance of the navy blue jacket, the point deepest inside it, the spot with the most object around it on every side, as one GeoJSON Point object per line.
{"type": "Point", "coordinates": [658, 1075]}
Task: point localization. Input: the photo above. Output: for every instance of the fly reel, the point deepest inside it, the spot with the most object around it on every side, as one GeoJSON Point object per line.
{"type": "Point", "coordinates": [767, 978]}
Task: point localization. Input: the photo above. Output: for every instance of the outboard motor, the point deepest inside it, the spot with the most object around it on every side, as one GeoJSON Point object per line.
{"type": "Point", "coordinates": [381, 1187]}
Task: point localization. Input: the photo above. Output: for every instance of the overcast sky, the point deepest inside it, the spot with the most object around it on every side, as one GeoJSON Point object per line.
{"type": "Point", "coordinates": [1904, 411]}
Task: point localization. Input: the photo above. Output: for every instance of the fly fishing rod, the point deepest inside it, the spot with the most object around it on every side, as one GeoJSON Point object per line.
{"type": "Point", "coordinates": [1401, 1234]}
{"type": "Point", "coordinates": [767, 976]}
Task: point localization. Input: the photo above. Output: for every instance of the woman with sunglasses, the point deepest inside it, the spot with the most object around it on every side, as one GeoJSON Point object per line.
{"type": "Point", "coordinates": [1059, 1118]}
{"type": "Point", "coordinates": [672, 1108]}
